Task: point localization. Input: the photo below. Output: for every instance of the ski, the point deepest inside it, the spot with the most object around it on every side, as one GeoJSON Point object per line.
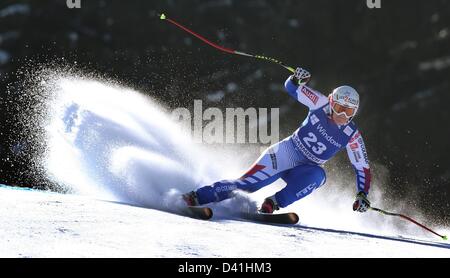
{"type": "Point", "coordinates": [281, 218]}
{"type": "Point", "coordinates": [203, 213]}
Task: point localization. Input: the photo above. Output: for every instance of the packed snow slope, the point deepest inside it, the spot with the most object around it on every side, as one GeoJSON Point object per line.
{"type": "Point", "coordinates": [124, 162]}
{"type": "Point", "coordinates": [42, 224]}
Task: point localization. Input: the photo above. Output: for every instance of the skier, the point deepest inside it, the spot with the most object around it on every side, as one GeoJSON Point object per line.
{"type": "Point", "coordinates": [297, 159]}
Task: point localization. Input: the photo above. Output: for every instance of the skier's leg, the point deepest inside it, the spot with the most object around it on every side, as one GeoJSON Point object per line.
{"type": "Point", "coordinates": [301, 181]}
{"type": "Point", "coordinates": [270, 166]}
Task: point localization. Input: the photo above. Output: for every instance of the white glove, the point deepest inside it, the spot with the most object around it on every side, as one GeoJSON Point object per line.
{"type": "Point", "coordinates": [301, 76]}
{"type": "Point", "coordinates": [361, 203]}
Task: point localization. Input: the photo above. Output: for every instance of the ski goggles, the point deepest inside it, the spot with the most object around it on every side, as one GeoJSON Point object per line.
{"type": "Point", "coordinates": [343, 110]}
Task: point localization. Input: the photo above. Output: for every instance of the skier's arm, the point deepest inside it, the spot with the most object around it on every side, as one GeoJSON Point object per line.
{"type": "Point", "coordinates": [296, 87]}
{"type": "Point", "coordinates": [357, 154]}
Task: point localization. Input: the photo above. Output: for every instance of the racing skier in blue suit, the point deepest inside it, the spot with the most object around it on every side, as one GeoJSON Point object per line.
{"type": "Point", "coordinates": [297, 159]}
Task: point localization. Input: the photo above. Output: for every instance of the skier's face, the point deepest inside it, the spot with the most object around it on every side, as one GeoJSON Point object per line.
{"type": "Point", "coordinates": [339, 119]}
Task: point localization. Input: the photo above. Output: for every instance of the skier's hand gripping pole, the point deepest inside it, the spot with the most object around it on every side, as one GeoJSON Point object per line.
{"type": "Point", "coordinates": [300, 76]}
{"type": "Point", "coordinates": [361, 203]}
{"type": "Point", "coordinates": [224, 49]}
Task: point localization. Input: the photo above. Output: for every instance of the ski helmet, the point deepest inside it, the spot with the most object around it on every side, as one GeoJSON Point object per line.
{"type": "Point", "coordinates": [344, 100]}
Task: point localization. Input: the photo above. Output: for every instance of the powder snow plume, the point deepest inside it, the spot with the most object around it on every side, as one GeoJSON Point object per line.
{"type": "Point", "coordinates": [117, 144]}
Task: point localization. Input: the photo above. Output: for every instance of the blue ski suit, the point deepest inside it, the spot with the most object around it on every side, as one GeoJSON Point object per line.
{"type": "Point", "coordinates": [298, 158]}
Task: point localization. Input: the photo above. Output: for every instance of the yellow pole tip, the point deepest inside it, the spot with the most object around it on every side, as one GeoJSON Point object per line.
{"type": "Point", "coordinates": [444, 237]}
{"type": "Point", "coordinates": [163, 16]}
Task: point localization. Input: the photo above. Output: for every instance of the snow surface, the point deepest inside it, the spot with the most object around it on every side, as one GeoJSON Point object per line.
{"type": "Point", "coordinates": [42, 224]}
{"type": "Point", "coordinates": [125, 162]}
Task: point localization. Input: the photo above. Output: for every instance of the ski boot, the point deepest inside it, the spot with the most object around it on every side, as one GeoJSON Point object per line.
{"type": "Point", "coordinates": [269, 205]}
{"type": "Point", "coordinates": [191, 199]}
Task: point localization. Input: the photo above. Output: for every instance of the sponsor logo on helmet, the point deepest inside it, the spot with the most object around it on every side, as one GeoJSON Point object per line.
{"type": "Point", "coordinates": [347, 99]}
{"type": "Point", "coordinates": [310, 94]}
{"type": "Point", "coordinates": [350, 100]}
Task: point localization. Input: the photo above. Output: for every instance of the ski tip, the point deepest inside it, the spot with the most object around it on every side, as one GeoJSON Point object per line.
{"type": "Point", "coordinates": [162, 16]}
{"type": "Point", "coordinates": [294, 218]}
{"type": "Point", "coordinates": [203, 213]}
{"type": "Point", "coordinates": [209, 213]}
{"type": "Point", "coordinates": [444, 237]}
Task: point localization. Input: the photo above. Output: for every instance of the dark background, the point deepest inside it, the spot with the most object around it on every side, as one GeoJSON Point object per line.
{"type": "Point", "coordinates": [397, 57]}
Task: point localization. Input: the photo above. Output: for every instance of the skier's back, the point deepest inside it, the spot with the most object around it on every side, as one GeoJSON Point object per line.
{"type": "Point", "coordinates": [297, 159]}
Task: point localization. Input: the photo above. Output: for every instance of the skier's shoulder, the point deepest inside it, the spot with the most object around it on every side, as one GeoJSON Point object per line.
{"type": "Point", "coordinates": [355, 131]}
{"type": "Point", "coordinates": [316, 97]}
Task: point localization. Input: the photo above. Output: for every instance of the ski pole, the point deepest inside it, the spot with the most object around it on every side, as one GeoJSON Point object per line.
{"type": "Point", "coordinates": [224, 49]}
{"type": "Point", "coordinates": [409, 219]}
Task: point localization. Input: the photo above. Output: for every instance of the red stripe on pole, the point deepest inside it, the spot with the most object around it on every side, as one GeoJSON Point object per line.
{"type": "Point", "coordinates": [417, 223]}
{"type": "Point", "coordinates": [409, 219]}
{"type": "Point", "coordinates": [228, 50]}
